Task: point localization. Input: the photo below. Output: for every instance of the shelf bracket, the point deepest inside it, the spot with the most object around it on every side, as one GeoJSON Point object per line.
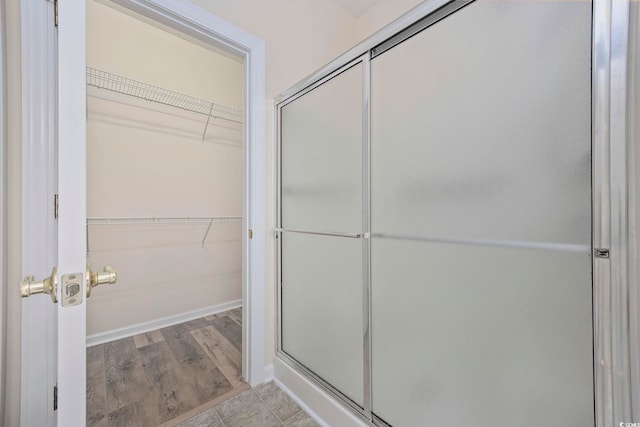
{"type": "Point", "coordinates": [206, 233]}
{"type": "Point", "coordinates": [206, 125]}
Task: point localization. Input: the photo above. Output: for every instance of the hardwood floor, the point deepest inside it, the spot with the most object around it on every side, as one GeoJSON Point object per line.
{"type": "Point", "coordinates": [152, 378]}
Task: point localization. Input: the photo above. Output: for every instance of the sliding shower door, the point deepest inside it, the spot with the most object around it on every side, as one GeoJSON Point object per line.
{"type": "Point", "coordinates": [321, 229]}
{"type": "Point", "coordinates": [481, 219]}
{"type": "Point", "coordinates": [434, 224]}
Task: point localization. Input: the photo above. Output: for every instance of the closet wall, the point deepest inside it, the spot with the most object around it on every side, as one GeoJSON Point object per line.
{"type": "Point", "coordinates": [150, 160]}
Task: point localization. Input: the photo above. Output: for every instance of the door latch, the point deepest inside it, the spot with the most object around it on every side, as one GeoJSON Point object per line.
{"type": "Point", "coordinates": [71, 289]}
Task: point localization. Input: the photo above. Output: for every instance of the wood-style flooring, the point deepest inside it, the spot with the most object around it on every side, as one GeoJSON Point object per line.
{"type": "Point", "coordinates": [152, 378]}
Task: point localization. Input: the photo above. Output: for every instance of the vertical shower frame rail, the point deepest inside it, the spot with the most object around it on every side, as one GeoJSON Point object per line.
{"type": "Point", "coordinates": [613, 354]}
{"type": "Point", "coordinates": [612, 306]}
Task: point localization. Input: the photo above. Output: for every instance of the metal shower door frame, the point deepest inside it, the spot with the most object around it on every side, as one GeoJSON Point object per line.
{"type": "Point", "coordinates": [613, 352]}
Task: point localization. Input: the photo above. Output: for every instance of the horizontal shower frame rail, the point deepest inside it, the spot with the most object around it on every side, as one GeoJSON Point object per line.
{"type": "Point", "coordinates": [324, 233]}
{"type": "Point", "coordinates": [516, 244]}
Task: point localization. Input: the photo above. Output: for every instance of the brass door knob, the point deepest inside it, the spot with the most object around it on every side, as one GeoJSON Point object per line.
{"type": "Point", "coordinates": [108, 276]}
{"type": "Point", "coordinates": [49, 285]}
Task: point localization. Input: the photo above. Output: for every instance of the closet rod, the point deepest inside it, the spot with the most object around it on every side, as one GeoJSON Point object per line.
{"type": "Point", "coordinates": [127, 86]}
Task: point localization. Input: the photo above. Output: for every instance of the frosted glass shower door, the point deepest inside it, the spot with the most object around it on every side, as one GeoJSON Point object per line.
{"type": "Point", "coordinates": [481, 220]}
{"type": "Point", "coordinates": [321, 218]}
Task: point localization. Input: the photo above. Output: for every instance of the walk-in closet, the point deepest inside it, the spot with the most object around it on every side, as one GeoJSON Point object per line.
{"type": "Point", "coordinates": [165, 173]}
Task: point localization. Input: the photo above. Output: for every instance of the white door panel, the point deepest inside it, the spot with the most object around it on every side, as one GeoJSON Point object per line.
{"type": "Point", "coordinates": [38, 225]}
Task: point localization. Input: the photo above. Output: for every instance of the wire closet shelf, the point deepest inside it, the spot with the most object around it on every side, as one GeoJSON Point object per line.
{"type": "Point", "coordinates": [127, 86]}
{"type": "Point", "coordinates": [162, 220]}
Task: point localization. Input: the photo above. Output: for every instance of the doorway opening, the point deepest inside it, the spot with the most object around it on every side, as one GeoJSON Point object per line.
{"type": "Point", "coordinates": [165, 196]}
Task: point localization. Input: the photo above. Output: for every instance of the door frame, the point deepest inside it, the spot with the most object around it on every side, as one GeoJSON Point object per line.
{"type": "Point", "coordinates": [39, 80]}
{"type": "Point", "coordinates": [615, 295]}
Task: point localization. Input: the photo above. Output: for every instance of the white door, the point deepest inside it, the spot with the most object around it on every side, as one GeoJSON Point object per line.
{"type": "Point", "coordinates": [53, 334]}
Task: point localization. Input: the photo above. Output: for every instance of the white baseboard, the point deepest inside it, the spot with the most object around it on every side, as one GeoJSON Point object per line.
{"type": "Point", "coordinates": [140, 328]}
{"type": "Point", "coordinates": [323, 408]}
{"type": "Point", "coordinates": [268, 373]}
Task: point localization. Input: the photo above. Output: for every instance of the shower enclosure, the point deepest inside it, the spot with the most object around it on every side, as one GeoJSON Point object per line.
{"type": "Point", "coordinates": [434, 224]}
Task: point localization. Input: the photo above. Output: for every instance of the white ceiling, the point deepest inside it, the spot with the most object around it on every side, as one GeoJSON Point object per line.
{"type": "Point", "coordinates": [357, 7]}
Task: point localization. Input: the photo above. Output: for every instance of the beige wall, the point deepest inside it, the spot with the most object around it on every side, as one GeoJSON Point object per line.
{"type": "Point", "coordinates": [124, 45]}
{"type": "Point", "coordinates": [143, 163]}
{"type": "Point", "coordinates": [382, 14]}
{"type": "Point", "coordinates": [147, 160]}
{"type": "Point", "coordinates": [300, 35]}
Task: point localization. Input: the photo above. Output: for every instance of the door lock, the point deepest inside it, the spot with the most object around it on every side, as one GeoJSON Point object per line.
{"type": "Point", "coordinates": [48, 285]}
{"type": "Point", "coordinates": [108, 276]}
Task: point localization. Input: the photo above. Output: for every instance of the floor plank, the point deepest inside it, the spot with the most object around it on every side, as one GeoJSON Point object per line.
{"type": "Point", "coordinates": [237, 312]}
{"type": "Point", "coordinates": [137, 414]}
{"type": "Point", "coordinates": [172, 393]}
{"type": "Point", "coordinates": [215, 349]}
{"type": "Point", "coordinates": [233, 315]}
{"type": "Point", "coordinates": [230, 329]}
{"type": "Point", "coordinates": [196, 323]}
{"type": "Point", "coordinates": [215, 338]}
{"type": "Point", "coordinates": [147, 338]}
{"type": "Point", "coordinates": [96, 387]}
{"type": "Point", "coordinates": [203, 375]}
{"type": "Point", "coordinates": [125, 379]}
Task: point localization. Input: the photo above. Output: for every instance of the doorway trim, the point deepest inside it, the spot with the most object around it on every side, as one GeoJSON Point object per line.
{"type": "Point", "coordinates": [185, 17]}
